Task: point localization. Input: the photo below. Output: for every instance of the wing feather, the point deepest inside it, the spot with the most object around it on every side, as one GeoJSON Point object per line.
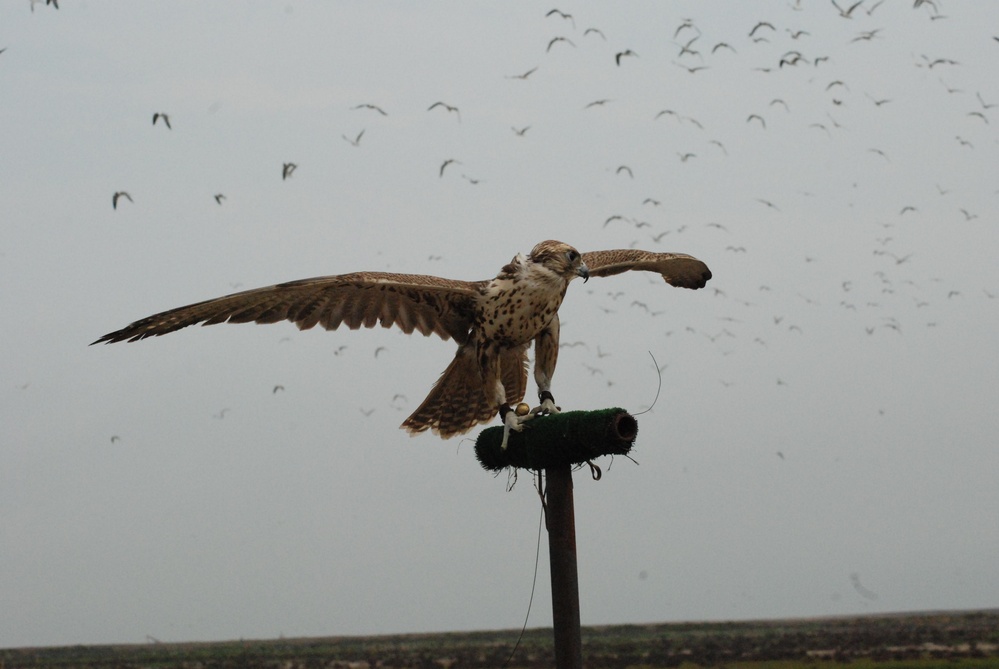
{"type": "Point", "coordinates": [429, 304]}
{"type": "Point", "coordinates": [678, 269]}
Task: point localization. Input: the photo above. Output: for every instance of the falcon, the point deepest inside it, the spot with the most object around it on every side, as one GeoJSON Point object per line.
{"type": "Point", "coordinates": [493, 321]}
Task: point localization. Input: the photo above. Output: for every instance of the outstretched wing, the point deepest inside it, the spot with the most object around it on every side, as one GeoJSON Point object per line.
{"type": "Point", "coordinates": [678, 269]}
{"type": "Point", "coordinates": [429, 304]}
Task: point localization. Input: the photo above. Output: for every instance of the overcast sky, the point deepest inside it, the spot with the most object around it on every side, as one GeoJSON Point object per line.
{"type": "Point", "coordinates": [824, 441]}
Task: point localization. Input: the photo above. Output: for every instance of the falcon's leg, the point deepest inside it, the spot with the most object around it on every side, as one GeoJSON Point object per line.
{"type": "Point", "coordinates": [547, 405]}
{"type": "Point", "coordinates": [545, 358]}
{"type": "Point", "coordinates": [511, 419]}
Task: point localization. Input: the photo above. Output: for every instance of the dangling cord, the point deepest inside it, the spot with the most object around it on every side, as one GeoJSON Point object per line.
{"type": "Point", "coordinates": [660, 387]}
{"type": "Point", "coordinates": [537, 555]}
{"type": "Point", "coordinates": [539, 485]}
{"type": "Point", "coordinates": [511, 478]}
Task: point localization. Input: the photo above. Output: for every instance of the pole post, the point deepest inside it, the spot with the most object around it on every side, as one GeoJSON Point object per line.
{"type": "Point", "coordinates": [554, 444]}
{"type": "Point", "coordinates": [565, 578]}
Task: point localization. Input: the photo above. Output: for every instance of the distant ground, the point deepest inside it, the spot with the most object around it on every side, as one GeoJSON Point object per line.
{"type": "Point", "coordinates": [897, 641]}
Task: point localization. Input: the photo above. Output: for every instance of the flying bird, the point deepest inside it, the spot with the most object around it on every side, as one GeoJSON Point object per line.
{"type": "Point", "coordinates": [693, 70]}
{"type": "Point", "coordinates": [367, 105]}
{"type": "Point", "coordinates": [219, 197]}
{"type": "Point", "coordinates": [353, 142]}
{"type": "Point", "coordinates": [446, 163]}
{"type": "Point", "coordinates": [446, 106]}
{"type": "Point", "coordinates": [493, 321]}
{"type": "Point", "coordinates": [761, 24]}
{"type": "Point", "coordinates": [620, 54]}
{"type": "Point", "coordinates": [559, 39]}
{"type": "Point", "coordinates": [120, 194]}
{"type": "Point", "coordinates": [558, 12]}
{"type": "Point", "coordinates": [845, 13]}
{"type": "Point", "coordinates": [525, 75]}
{"type": "Point", "coordinates": [685, 48]}
{"type": "Point", "coordinates": [166, 119]}
{"type": "Point", "coordinates": [287, 170]}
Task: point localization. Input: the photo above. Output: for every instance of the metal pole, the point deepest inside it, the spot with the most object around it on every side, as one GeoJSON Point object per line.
{"type": "Point", "coordinates": [565, 578]}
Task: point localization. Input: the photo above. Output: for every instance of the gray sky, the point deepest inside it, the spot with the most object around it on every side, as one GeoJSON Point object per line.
{"type": "Point", "coordinates": [824, 440]}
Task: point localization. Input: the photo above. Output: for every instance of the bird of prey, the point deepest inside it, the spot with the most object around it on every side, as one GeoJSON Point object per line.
{"type": "Point", "coordinates": [493, 321]}
{"type": "Point", "coordinates": [120, 194]}
{"type": "Point", "coordinates": [287, 169]}
{"type": "Point", "coordinates": [166, 119]}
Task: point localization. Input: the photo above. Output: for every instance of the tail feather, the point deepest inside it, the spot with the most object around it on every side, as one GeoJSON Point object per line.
{"type": "Point", "coordinates": [457, 402]}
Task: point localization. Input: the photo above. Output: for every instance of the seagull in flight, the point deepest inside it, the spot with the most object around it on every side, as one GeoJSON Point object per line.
{"type": "Point", "coordinates": [845, 13]}
{"type": "Point", "coordinates": [620, 54]}
{"type": "Point", "coordinates": [559, 39]}
{"type": "Point", "coordinates": [353, 142]}
{"type": "Point", "coordinates": [446, 163]}
{"type": "Point", "coordinates": [367, 105]}
{"type": "Point", "coordinates": [120, 194]}
{"type": "Point", "coordinates": [446, 106]}
{"type": "Point", "coordinates": [166, 119]}
{"type": "Point", "coordinates": [523, 76]}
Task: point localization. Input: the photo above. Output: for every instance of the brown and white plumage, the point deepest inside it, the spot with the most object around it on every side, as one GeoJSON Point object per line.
{"type": "Point", "coordinates": [493, 321]}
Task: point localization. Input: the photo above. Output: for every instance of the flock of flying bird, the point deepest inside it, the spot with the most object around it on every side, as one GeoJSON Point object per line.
{"type": "Point", "coordinates": [696, 54]}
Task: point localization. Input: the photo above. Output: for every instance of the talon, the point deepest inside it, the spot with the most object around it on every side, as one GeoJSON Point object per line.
{"type": "Point", "coordinates": [547, 405]}
{"type": "Point", "coordinates": [511, 421]}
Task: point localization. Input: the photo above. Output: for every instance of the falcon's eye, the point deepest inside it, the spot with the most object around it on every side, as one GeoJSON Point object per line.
{"type": "Point", "coordinates": [572, 255]}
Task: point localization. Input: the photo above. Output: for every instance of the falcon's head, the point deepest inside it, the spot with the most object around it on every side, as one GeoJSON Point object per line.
{"type": "Point", "coordinates": [561, 259]}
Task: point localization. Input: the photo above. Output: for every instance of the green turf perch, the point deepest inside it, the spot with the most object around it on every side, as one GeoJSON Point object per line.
{"type": "Point", "coordinates": [571, 437]}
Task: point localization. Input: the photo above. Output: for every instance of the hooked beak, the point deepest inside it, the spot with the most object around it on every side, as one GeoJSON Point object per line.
{"type": "Point", "coordinates": [584, 272]}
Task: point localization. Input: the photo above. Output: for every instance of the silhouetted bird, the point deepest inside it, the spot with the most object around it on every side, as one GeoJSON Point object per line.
{"type": "Point", "coordinates": [117, 196]}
